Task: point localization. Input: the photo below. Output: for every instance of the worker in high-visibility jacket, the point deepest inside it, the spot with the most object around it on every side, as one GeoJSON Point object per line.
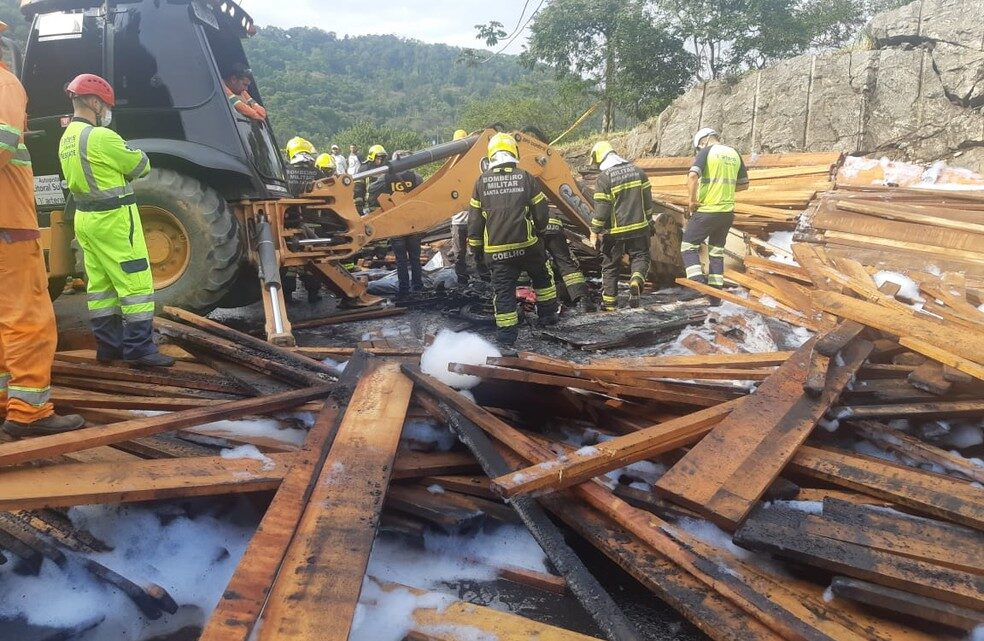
{"type": "Point", "coordinates": [99, 167]}
{"type": "Point", "coordinates": [27, 320]}
{"type": "Point", "coordinates": [715, 175]}
{"type": "Point", "coordinates": [623, 202]}
{"type": "Point", "coordinates": [507, 212]}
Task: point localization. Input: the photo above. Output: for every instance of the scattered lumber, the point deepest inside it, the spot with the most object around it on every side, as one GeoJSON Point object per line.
{"type": "Point", "coordinates": [728, 471]}
{"type": "Point", "coordinates": [316, 592]}
{"type": "Point", "coordinates": [347, 317]}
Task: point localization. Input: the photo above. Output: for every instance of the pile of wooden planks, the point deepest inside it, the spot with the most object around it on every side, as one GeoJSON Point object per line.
{"type": "Point", "coordinates": [897, 228]}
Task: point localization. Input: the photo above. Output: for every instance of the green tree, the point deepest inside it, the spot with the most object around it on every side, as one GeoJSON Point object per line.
{"type": "Point", "coordinates": [730, 37]}
{"type": "Point", "coordinates": [632, 62]}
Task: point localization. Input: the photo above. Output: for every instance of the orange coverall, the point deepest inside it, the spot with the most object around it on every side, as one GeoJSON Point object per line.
{"type": "Point", "coordinates": [27, 320]}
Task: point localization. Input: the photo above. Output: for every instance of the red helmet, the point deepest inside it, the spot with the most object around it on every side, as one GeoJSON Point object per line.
{"type": "Point", "coordinates": [89, 84]}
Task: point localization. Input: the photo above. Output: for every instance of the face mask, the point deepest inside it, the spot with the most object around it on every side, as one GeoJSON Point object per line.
{"type": "Point", "coordinates": [106, 118]}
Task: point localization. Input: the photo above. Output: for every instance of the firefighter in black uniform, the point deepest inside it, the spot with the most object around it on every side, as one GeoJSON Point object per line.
{"type": "Point", "coordinates": [565, 267]}
{"type": "Point", "coordinates": [507, 212]}
{"type": "Point", "coordinates": [623, 209]}
{"type": "Point", "coordinates": [409, 272]}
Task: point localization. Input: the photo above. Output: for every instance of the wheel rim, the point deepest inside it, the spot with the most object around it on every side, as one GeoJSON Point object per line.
{"type": "Point", "coordinates": [168, 245]}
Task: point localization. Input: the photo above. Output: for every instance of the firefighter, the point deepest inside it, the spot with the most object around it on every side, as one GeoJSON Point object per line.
{"type": "Point", "coordinates": [27, 319]}
{"type": "Point", "coordinates": [716, 174]}
{"type": "Point", "coordinates": [300, 151]}
{"type": "Point", "coordinates": [507, 212]}
{"type": "Point", "coordinates": [623, 209]}
{"type": "Point", "coordinates": [409, 271]}
{"type": "Point", "coordinates": [99, 167]}
{"type": "Point", "coordinates": [236, 83]}
{"type": "Point", "coordinates": [564, 264]}
{"type": "Point", "coordinates": [375, 157]}
{"type": "Point", "coordinates": [326, 163]}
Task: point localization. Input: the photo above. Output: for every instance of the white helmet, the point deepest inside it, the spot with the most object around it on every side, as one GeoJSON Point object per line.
{"type": "Point", "coordinates": [703, 133]}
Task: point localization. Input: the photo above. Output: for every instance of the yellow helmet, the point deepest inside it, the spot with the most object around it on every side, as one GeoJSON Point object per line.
{"type": "Point", "coordinates": [374, 152]}
{"type": "Point", "coordinates": [502, 142]}
{"type": "Point", "coordinates": [325, 162]}
{"type": "Point", "coordinates": [298, 145]}
{"type": "Point", "coordinates": [459, 134]}
{"type": "Point", "coordinates": [601, 149]}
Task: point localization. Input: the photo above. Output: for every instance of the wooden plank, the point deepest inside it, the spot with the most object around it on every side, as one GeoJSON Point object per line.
{"type": "Point", "coordinates": [630, 375]}
{"type": "Point", "coordinates": [933, 409]}
{"type": "Point", "coordinates": [908, 214]}
{"type": "Point", "coordinates": [474, 485]}
{"type": "Point", "coordinates": [728, 471]}
{"type": "Point", "coordinates": [71, 484]}
{"type": "Point", "coordinates": [903, 325]}
{"type": "Point", "coordinates": [316, 592]}
{"type": "Point", "coordinates": [792, 272]}
{"type": "Point", "coordinates": [259, 345]}
{"type": "Point", "coordinates": [586, 463]}
{"type": "Point", "coordinates": [242, 601]}
{"type": "Point", "coordinates": [897, 533]}
{"type": "Point", "coordinates": [943, 356]}
{"type": "Point", "coordinates": [347, 317]}
{"type": "Point", "coordinates": [861, 240]}
{"type": "Point", "coordinates": [929, 378]}
{"type": "Point", "coordinates": [917, 449]}
{"type": "Point", "coordinates": [816, 376]}
{"type": "Point", "coordinates": [215, 383]}
{"type": "Point", "coordinates": [45, 446]}
{"type": "Point", "coordinates": [933, 494]}
{"type": "Point", "coordinates": [765, 310]}
{"type": "Point", "coordinates": [764, 359]}
{"type": "Point", "coordinates": [654, 391]}
{"type": "Point", "coordinates": [409, 465]}
{"type": "Point", "coordinates": [774, 530]}
{"type": "Point", "coordinates": [906, 604]}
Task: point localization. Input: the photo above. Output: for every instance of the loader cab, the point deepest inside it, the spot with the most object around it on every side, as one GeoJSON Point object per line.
{"type": "Point", "coordinates": [165, 59]}
{"type": "Point", "coordinates": [12, 56]}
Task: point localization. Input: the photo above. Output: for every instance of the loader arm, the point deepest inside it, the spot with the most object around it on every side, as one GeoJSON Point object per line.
{"type": "Point", "coordinates": [449, 190]}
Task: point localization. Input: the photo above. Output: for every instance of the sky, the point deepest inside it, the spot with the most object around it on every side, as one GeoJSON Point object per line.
{"type": "Point", "coordinates": [449, 21]}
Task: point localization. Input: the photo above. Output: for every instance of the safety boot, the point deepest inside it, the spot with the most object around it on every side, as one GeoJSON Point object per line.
{"type": "Point", "coordinates": [155, 359]}
{"type": "Point", "coordinates": [635, 293]}
{"type": "Point", "coordinates": [54, 424]}
{"type": "Point", "coordinates": [507, 337]}
{"type": "Point", "coordinates": [585, 305]}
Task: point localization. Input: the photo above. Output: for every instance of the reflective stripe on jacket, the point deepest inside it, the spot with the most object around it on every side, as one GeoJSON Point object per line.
{"type": "Point", "coordinates": [623, 201]}
{"type": "Point", "coordinates": [16, 179]}
{"type": "Point", "coordinates": [99, 166]}
{"type": "Point", "coordinates": [721, 170]}
{"type": "Point", "coordinates": [507, 211]}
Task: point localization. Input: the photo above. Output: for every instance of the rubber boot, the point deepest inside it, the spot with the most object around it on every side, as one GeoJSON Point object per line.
{"type": "Point", "coordinates": [155, 359]}
{"type": "Point", "coordinates": [585, 305]}
{"type": "Point", "coordinates": [54, 424]}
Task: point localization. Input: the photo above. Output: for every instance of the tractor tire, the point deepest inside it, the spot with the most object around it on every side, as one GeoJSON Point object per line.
{"type": "Point", "coordinates": [193, 240]}
{"type": "Point", "coordinates": [664, 247]}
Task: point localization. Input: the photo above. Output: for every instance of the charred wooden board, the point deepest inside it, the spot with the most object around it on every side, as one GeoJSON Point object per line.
{"type": "Point", "coordinates": [728, 471]}
{"type": "Point", "coordinates": [634, 329]}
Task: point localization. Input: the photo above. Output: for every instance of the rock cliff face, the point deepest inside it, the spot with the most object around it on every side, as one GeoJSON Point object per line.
{"type": "Point", "coordinates": [913, 91]}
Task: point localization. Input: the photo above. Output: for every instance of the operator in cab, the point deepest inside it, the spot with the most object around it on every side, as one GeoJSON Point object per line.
{"type": "Point", "coordinates": [507, 212]}
{"type": "Point", "coordinates": [623, 210]}
{"type": "Point", "coordinates": [27, 320]}
{"type": "Point", "coordinates": [236, 82]}
{"type": "Point", "coordinates": [409, 272]}
{"type": "Point", "coordinates": [716, 174]}
{"type": "Point", "coordinates": [99, 168]}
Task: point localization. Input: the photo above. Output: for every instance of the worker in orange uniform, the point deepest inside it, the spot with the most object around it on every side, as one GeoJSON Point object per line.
{"type": "Point", "coordinates": [236, 83]}
{"type": "Point", "coordinates": [27, 319]}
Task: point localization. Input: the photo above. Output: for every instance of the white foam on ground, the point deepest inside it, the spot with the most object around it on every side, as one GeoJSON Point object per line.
{"type": "Point", "coordinates": [387, 615]}
{"type": "Point", "coordinates": [978, 633]}
{"type": "Point", "coordinates": [828, 595]}
{"type": "Point", "coordinates": [963, 436]}
{"type": "Point", "coordinates": [809, 507]}
{"type": "Point", "coordinates": [456, 347]}
{"type": "Point", "coordinates": [712, 535]}
{"type": "Point", "coordinates": [908, 287]}
{"type": "Point", "coordinates": [337, 366]}
{"type": "Point", "coordinates": [193, 559]}
{"type": "Point", "coordinates": [261, 427]}
{"type": "Point", "coordinates": [643, 470]}
{"type": "Point", "coordinates": [782, 240]}
{"type": "Point", "coordinates": [425, 430]}
{"type": "Point", "coordinates": [249, 452]}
